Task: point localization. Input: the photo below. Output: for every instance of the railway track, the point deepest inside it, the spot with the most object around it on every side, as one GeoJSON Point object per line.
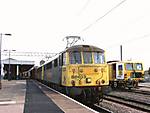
{"type": "Point", "coordinates": [144, 86]}
{"type": "Point", "coordinates": [140, 92]}
{"type": "Point", "coordinates": [129, 102]}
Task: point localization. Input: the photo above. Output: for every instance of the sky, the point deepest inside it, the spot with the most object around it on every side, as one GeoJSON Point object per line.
{"type": "Point", "coordinates": [41, 25]}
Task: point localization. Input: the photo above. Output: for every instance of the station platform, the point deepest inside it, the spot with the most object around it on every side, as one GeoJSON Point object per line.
{"type": "Point", "coordinates": [33, 97]}
{"type": "Point", "coordinates": [12, 96]}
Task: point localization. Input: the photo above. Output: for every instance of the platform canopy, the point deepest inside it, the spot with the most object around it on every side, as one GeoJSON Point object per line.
{"type": "Point", "coordinates": [14, 69]}
{"type": "Point", "coordinates": [19, 62]}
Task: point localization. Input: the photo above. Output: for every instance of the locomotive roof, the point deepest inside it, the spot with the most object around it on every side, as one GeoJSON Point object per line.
{"type": "Point", "coordinates": [84, 48]}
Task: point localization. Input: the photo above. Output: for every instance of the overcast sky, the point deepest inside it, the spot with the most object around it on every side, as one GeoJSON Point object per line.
{"type": "Point", "coordinates": [40, 25]}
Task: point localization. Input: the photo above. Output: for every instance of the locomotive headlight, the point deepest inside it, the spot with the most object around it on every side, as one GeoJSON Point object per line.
{"type": "Point", "coordinates": [98, 82]}
{"type": "Point", "coordinates": [103, 81]}
{"type": "Point", "coordinates": [73, 83]}
{"type": "Point", "coordinates": [81, 70]}
{"type": "Point", "coordinates": [95, 70]}
{"type": "Point", "coordinates": [88, 80]}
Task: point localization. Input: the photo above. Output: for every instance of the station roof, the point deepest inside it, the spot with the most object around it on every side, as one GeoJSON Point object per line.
{"type": "Point", "coordinates": [14, 61]}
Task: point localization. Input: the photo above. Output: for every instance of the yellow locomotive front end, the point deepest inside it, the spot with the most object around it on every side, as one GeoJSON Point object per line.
{"type": "Point", "coordinates": [85, 71]}
{"type": "Point", "coordinates": [86, 67]}
{"type": "Point", "coordinates": [134, 73]}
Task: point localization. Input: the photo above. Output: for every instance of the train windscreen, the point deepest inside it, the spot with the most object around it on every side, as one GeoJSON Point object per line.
{"type": "Point", "coordinates": [87, 56]}
{"type": "Point", "coordinates": [138, 66]}
{"type": "Point", "coordinates": [99, 58]}
{"type": "Point", "coordinates": [129, 66]}
{"type": "Point", "coordinates": [75, 57]}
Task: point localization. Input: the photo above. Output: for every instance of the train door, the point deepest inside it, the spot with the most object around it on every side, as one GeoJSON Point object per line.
{"type": "Point", "coordinates": [42, 77]}
{"type": "Point", "coordinates": [114, 71]}
{"type": "Point", "coordinates": [64, 70]}
{"type": "Point", "coordinates": [119, 71]}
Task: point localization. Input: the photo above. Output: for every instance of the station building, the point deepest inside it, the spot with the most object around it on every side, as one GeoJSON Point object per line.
{"type": "Point", "coordinates": [14, 69]}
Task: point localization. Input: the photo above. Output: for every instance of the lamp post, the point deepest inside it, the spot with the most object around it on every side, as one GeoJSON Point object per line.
{"type": "Point", "coordinates": [121, 52]}
{"type": "Point", "coordinates": [1, 34]}
{"type": "Point", "coordinates": [9, 71]}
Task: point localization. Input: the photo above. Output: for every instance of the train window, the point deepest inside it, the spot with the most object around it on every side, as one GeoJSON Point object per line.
{"type": "Point", "coordinates": [64, 58]}
{"type": "Point", "coordinates": [99, 58]}
{"type": "Point", "coordinates": [129, 66]}
{"type": "Point", "coordinates": [138, 66]}
{"type": "Point", "coordinates": [49, 65]}
{"type": "Point", "coordinates": [55, 62]}
{"type": "Point", "coordinates": [75, 57]}
{"type": "Point", "coordinates": [60, 60]}
{"type": "Point", "coordinates": [87, 56]}
{"type": "Point", "coordinates": [120, 67]}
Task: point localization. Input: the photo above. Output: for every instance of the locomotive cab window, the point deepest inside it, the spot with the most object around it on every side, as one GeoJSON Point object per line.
{"type": "Point", "coordinates": [99, 58]}
{"type": "Point", "coordinates": [87, 56]}
{"type": "Point", "coordinates": [138, 66]}
{"type": "Point", "coordinates": [129, 66]}
{"type": "Point", "coordinates": [75, 57]}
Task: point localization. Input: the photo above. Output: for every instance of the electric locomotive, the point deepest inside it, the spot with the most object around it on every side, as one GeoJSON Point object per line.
{"type": "Point", "coordinates": [125, 74]}
{"type": "Point", "coordinates": [80, 72]}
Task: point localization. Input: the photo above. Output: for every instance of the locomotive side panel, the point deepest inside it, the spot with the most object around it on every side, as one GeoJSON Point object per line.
{"type": "Point", "coordinates": [48, 72]}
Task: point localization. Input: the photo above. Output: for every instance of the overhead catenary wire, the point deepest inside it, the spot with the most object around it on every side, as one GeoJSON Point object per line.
{"type": "Point", "coordinates": [29, 54]}
{"type": "Point", "coordinates": [129, 41]}
{"type": "Point", "coordinates": [90, 25]}
{"type": "Point", "coordinates": [84, 7]}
